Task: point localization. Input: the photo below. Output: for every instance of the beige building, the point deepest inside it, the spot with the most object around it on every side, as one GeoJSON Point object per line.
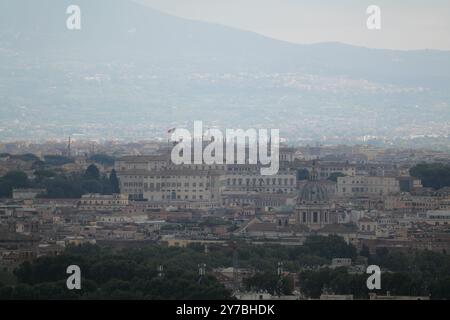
{"type": "Point", "coordinates": [157, 179]}
{"type": "Point", "coordinates": [367, 225]}
{"type": "Point", "coordinates": [410, 203]}
{"type": "Point", "coordinates": [326, 169]}
{"type": "Point", "coordinates": [23, 194]}
{"type": "Point", "coordinates": [287, 154]}
{"type": "Point", "coordinates": [438, 217]}
{"type": "Point", "coordinates": [367, 186]}
{"type": "Point", "coordinates": [248, 182]}
{"type": "Point", "coordinates": [98, 202]}
{"type": "Point", "coordinates": [170, 185]}
{"type": "Point", "coordinates": [444, 203]}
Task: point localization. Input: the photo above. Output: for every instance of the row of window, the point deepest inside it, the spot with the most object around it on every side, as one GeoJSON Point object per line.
{"type": "Point", "coordinates": [166, 184]}
{"type": "Point", "coordinates": [254, 181]}
{"type": "Point", "coordinates": [200, 177]}
{"type": "Point", "coordinates": [370, 181]}
{"type": "Point", "coordinates": [100, 202]}
{"type": "Point", "coordinates": [174, 196]}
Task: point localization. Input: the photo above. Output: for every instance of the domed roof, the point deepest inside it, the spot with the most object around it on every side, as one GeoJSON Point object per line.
{"type": "Point", "coordinates": [313, 192]}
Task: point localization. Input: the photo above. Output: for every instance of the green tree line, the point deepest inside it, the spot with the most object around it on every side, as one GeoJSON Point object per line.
{"type": "Point", "coordinates": [61, 185]}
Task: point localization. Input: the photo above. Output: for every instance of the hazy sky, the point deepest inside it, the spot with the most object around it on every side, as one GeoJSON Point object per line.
{"type": "Point", "coordinates": [406, 24]}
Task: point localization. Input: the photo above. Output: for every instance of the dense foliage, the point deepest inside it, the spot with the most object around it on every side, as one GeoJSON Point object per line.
{"type": "Point", "coordinates": [127, 274]}
{"type": "Point", "coordinates": [270, 282]}
{"type": "Point", "coordinates": [435, 175]}
{"type": "Point", "coordinates": [103, 159]}
{"type": "Point", "coordinates": [132, 273]}
{"type": "Point", "coordinates": [417, 273]}
{"type": "Point", "coordinates": [61, 185]}
{"type": "Point", "coordinates": [335, 175]}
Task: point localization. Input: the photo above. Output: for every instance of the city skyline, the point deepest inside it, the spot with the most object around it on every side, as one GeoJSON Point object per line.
{"type": "Point", "coordinates": [224, 150]}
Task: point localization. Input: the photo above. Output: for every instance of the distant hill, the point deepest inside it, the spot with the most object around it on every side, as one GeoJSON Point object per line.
{"type": "Point", "coordinates": [124, 30]}
{"type": "Point", "coordinates": [130, 56]}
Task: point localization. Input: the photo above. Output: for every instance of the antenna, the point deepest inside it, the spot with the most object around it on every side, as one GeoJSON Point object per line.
{"type": "Point", "coordinates": [69, 153]}
{"type": "Point", "coordinates": [280, 269]}
{"type": "Point", "coordinates": [160, 270]}
{"type": "Point", "coordinates": [235, 267]}
{"type": "Point", "coordinates": [280, 278]}
{"type": "Point", "coordinates": [201, 272]}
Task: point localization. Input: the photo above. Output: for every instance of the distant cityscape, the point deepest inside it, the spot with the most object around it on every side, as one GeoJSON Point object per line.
{"type": "Point", "coordinates": [98, 201]}
{"type": "Point", "coordinates": [132, 195]}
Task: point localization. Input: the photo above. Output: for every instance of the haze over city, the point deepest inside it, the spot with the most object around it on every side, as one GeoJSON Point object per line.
{"type": "Point", "coordinates": [133, 72]}
{"type": "Point", "coordinates": [214, 152]}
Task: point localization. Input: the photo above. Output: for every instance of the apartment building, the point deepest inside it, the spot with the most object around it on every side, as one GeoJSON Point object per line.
{"type": "Point", "coordinates": [157, 179]}
{"type": "Point", "coordinates": [367, 186]}
{"type": "Point", "coordinates": [248, 182]}
{"type": "Point", "coordinates": [411, 203]}
{"type": "Point", "coordinates": [326, 169]}
{"type": "Point", "coordinates": [98, 202]}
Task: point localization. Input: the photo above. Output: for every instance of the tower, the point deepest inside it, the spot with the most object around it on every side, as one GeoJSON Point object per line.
{"type": "Point", "coordinates": [69, 147]}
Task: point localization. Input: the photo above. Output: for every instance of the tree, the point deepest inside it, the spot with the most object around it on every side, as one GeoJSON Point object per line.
{"type": "Point", "coordinates": [38, 165]}
{"type": "Point", "coordinates": [28, 157]}
{"type": "Point", "coordinates": [92, 172]}
{"type": "Point", "coordinates": [18, 179]}
{"type": "Point", "coordinates": [92, 186]}
{"type": "Point", "coordinates": [303, 174]}
{"type": "Point", "coordinates": [262, 282]}
{"type": "Point", "coordinates": [56, 160]}
{"type": "Point", "coordinates": [441, 289]}
{"type": "Point", "coordinates": [335, 175]}
{"type": "Point", "coordinates": [434, 175]}
{"type": "Point", "coordinates": [312, 283]}
{"type": "Point", "coordinates": [43, 174]}
{"type": "Point", "coordinates": [13, 179]}
{"type": "Point", "coordinates": [114, 181]}
{"type": "Point", "coordinates": [103, 159]}
{"type": "Point", "coordinates": [365, 251]}
{"type": "Point", "coordinates": [330, 247]}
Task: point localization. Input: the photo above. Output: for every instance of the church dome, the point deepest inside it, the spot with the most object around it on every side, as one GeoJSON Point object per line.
{"type": "Point", "coordinates": [313, 192]}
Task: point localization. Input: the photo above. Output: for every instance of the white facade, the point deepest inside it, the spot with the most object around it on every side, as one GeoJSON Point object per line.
{"type": "Point", "coordinates": [98, 202]}
{"type": "Point", "coordinates": [23, 194]}
{"type": "Point", "coordinates": [244, 183]}
{"type": "Point", "coordinates": [156, 178]}
{"type": "Point", "coordinates": [367, 186]}
{"type": "Point", "coordinates": [438, 217]}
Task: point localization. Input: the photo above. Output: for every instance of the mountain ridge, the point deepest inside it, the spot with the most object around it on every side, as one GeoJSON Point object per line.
{"type": "Point", "coordinates": [139, 32]}
{"type": "Point", "coordinates": [131, 68]}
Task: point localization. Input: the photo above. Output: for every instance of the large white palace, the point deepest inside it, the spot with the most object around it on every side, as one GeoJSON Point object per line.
{"type": "Point", "coordinates": [156, 178]}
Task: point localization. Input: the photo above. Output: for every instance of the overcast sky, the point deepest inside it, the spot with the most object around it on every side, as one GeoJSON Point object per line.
{"type": "Point", "coordinates": [406, 24]}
